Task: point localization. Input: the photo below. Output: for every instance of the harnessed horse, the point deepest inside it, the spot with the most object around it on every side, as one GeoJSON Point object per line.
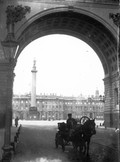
{"type": "Point", "coordinates": [80, 136]}
{"type": "Point", "coordinates": [87, 130]}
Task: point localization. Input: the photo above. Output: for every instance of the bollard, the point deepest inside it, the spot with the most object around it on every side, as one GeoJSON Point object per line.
{"type": "Point", "coordinates": [17, 134]}
{"type": "Point", "coordinates": [13, 146]}
{"type": "Point", "coordinates": [15, 139]}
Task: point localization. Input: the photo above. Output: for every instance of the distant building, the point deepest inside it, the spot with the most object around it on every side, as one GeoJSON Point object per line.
{"type": "Point", "coordinates": [53, 107]}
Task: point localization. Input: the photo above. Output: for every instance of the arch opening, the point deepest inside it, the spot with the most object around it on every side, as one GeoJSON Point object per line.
{"type": "Point", "coordinates": [62, 60]}
{"type": "Point", "coordinates": [90, 31]}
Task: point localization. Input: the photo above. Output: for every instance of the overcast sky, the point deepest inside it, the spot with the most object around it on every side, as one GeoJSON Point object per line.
{"type": "Point", "coordinates": [66, 66]}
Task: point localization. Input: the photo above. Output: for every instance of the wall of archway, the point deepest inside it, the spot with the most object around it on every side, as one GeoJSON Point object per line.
{"type": "Point", "coordinates": [87, 21]}
{"type": "Point", "coordinates": [93, 33]}
{"type": "Point", "coordinates": [78, 25]}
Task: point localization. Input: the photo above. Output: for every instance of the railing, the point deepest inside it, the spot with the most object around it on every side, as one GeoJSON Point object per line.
{"type": "Point", "coordinates": [16, 140]}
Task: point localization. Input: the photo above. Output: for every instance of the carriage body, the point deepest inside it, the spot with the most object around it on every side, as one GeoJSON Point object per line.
{"type": "Point", "coordinates": [62, 135]}
{"type": "Point", "coordinates": [65, 137]}
{"type": "Point", "coordinates": [79, 136]}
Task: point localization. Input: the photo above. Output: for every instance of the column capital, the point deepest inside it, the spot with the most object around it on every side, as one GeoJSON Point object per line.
{"type": "Point", "coordinates": [16, 13]}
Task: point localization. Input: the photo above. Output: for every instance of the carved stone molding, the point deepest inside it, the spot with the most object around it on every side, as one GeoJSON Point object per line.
{"type": "Point", "coordinates": [15, 14]}
{"type": "Point", "coordinates": [116, 18]}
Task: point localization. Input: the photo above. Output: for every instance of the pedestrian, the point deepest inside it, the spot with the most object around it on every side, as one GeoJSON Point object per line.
{"type": "Point", "coordinates": [16, 121]}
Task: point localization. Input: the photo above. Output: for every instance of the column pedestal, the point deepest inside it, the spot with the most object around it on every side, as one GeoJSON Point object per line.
{"type": "Point", "coordinates": [112, 100]}
{"type": "Point", "coordinates": [7, 155]}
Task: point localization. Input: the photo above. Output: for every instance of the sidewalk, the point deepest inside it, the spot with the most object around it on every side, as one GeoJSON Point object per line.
{"type": "Point", "coordinates": [13, 132]}
{"type": "Point", "coordinates": [109, 128]}
{"type": "Point", "coordinates": [108, 137]}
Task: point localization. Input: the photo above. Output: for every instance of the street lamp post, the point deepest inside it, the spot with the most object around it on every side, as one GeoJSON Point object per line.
{"type": "Point", "coordinates": [10, 47]}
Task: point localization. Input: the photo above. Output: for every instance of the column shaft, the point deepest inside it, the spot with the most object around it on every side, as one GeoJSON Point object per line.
{"type": "Point", "coordinates": [6, 69]}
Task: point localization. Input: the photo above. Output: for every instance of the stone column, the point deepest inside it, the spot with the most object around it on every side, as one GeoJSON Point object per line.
{"type": "Point", "coordinates": [116, 99]}
{"type": "Point", "coordinates": [108, 102]}
{"type": "Point", "coordinates": [6, 69]}
{"type": "Point", "coordinates": [33, 91]}
{"type": "Point", "coordinates": [116, 20]}
{"type": "Point", "coordinates": [2, 95]}
{"type": "Point", "coordinates": [10, 44]}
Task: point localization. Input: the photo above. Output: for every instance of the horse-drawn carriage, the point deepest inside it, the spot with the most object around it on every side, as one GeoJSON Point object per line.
{"type": "Point", "coordinates": [78, 137]}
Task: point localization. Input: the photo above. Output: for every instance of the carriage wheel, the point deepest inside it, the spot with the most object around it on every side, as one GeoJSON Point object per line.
{"type": "Point", "coordinates": [83, 119]}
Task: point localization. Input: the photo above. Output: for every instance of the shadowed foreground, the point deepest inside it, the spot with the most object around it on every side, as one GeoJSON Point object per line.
{"type": "Point", "coordinates": [37, 145]}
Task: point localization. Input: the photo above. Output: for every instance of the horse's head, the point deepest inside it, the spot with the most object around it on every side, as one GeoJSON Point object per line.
{"type": "Point", "coordinates": [90, 126]}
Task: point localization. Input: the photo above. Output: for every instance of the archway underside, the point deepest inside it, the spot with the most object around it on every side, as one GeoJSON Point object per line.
{"type": "Point", "coordinates": [80, 26]}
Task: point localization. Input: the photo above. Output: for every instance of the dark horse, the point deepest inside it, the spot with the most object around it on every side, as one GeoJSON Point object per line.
{"type": "Point", "coordinates": [88, 129]}
{"type": "Point", "coordinates": [81, 136]}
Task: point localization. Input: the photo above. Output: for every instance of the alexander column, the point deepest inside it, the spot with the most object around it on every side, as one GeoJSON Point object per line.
{"type": "Point", "coordinates": [33, 90]}
{"type": "Point", "coordinates": [33, 113]}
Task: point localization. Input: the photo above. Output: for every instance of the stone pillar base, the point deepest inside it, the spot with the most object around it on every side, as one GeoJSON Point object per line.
{"type": "Point", "coordinates": [108, 119]}
{"type": "Point", "coordinates": [116, 119]}
{"type": "Point", "coordinates": [33, 113]}
{"type": "Point", "coordinates": [7, 154]}
{"type": "Point", "coordinates": [112, 119]}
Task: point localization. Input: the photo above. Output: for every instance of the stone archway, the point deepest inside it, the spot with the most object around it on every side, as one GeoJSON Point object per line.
{"type": "Point", "coordinates": [78, 25]}
{"type": "Point", "coordinates": [75, 24]}
{"type": "Point", "coordinates": [92, 32]}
